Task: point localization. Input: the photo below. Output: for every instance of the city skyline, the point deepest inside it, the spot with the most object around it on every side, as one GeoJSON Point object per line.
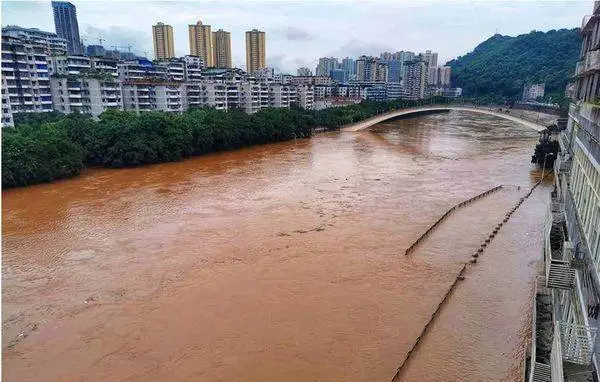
{"type": "Point", "coordinates": [298, 42]}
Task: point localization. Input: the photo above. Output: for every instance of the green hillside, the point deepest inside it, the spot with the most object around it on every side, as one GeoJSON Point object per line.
{"type": "Point", "coordinates": [501, 65]}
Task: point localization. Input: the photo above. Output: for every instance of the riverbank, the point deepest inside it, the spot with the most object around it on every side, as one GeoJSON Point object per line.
{"type": "Point", "coordinates": [54, 146]}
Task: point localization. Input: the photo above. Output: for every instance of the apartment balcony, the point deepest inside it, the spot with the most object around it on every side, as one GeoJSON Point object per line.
{"type": "Point", "coordinates": [78, 65]}
{"type": "Point", "coordinates": [545, 360]}
{"type": "Point", "coordinates": [562, 164]}
{"type": "Point", "coordinates": [577, 342]}
{"type": "Point", "coordinates": [589, 120]}
{"type": "Point", "coordinates": [74, 88]}
{"type": "Point", "coordinates": [592, 61]}
{"type": "Point", "coordinates": [76, 104]}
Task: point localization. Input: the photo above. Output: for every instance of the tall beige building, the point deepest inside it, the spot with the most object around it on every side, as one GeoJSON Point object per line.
{"type": "Point", "coordinates": [221, 49]}
{"type": "Point", "coordinates": [164, 46]}
{"type": "Point", "coordinates": [255, 51]}
{"type": "Point", "coordinates": [201, 43]}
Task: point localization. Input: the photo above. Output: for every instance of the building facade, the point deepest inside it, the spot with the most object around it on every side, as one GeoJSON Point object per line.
{"type": "Point", "coordinates": [416, 79]}
{"type": "Point", "coordinates": [221, 49]}
{"type": "Point", "coordinates": [304, 72]}
{"type": "Point", "coordinates": [85, 94]}
{"type": "Point", "coordinates": [371, 69]}
{"type": "Point", "coordinates": [65, 22]}
{"type": "Point", "coordinates": [532, 92]}
{"type": "Point", "coordinates": [326, 65]}
{"type": "Point", "coordinates": [164, 44]}
{"type": "Point", "coordinates": [201, 42]}
{"type": "Point", "coordinates": [25, 78]}
{"type": "Point", "coordinates": [567, 300]}
{"type": "Point", "coordinates": [255, 51]}
{"type": "Point", "coordinates": [341, 76]}
{"type": "Point", "coordinates": [51, 41]}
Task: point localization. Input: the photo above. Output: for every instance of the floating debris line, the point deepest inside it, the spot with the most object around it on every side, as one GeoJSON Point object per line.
{"type": "Point", "coordinates": [444, 216]}
{"type": "Point", "coordinates": [458, 278]}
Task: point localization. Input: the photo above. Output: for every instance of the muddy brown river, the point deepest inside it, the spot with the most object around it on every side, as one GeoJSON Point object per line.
{"type": "Point", "coordinates": [281, 262]}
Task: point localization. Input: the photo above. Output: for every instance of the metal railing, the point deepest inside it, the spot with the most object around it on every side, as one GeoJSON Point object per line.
{"type": "Point", "coordinates": [556, 363]}
{"type": "Point", "coordinates": [577, 342]}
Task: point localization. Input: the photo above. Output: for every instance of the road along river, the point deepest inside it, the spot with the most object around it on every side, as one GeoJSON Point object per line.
{"type": "Point", "coordinates": [281, 262]}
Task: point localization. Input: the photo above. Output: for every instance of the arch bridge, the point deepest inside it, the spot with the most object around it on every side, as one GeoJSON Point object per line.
{"type": "Point", "coordinates": [434, 108]}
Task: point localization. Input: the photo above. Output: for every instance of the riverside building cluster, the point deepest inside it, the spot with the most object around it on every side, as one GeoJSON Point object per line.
{"type": "Point", "coordinates": [44, 71]}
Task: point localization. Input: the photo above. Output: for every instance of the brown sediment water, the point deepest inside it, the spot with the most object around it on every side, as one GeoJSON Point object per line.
{"type": "Point", "coordinates": [280, 262]}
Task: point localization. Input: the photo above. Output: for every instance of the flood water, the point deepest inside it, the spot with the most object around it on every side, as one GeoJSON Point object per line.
{"type": "Point", "coordinates": [280, 262]}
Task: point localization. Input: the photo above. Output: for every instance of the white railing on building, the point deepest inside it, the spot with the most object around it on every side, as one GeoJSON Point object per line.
{"type": "Point", "coordinates": [577, 342]}
{"type": "Point", "coordinates": [556, 363]}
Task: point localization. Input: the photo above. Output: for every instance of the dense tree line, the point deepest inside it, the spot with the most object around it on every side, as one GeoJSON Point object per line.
{"type": "Point", "coordinates": [500, 66]}
{"type": "Point", "coordinates": [49, 146]}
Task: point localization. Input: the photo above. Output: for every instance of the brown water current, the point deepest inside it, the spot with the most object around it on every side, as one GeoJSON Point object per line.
{"type": "Point", "coordinates": [280, 262]}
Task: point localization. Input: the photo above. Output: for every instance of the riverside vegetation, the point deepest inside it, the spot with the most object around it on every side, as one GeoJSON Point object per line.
{"type": "Point", "coordinates": [50, 146]}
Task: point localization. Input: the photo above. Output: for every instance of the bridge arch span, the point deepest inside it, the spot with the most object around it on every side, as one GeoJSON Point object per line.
{"type": "Point", "coordinates": [416, 110]}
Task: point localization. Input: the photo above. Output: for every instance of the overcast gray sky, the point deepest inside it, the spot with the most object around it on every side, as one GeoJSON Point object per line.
{"type": "Point", "coordinates": [298, 33]}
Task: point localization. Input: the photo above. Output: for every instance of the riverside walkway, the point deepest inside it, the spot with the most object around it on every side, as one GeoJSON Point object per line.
{"type": "Point", "coordinates": [433, 108]}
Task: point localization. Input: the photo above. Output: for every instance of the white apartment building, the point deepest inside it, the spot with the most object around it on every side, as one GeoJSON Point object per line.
{"type": "Point", "coordinates": [50, 41]}
{"type": "Point", "coordinates": [79, 65]}
{"type": "Point", "coordinates": [305, 97]}
{"type": "Point", "coordinates": [25, 80]}
{"type": "Point", "coordinates": [68, 65]}
{"type": "Point", "coordinates": [154, 96]}
{"type": "Point", "coordinates": [532, 92]}
{"type": "Point", "coordinates": [193, 68]}
{"type": "Point", "coordinates": [282, 95]}
{"type": "Point", "coordinates": [137, 70]}
{"type": "Point", "coordinates": [89, 95]}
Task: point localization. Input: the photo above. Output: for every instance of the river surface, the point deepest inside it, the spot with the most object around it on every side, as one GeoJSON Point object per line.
{"type": "Point", "coordinates": [281, 262]}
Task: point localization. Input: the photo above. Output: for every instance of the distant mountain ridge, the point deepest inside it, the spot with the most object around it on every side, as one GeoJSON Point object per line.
{"type": "Point", "coordinates": [501, 65]}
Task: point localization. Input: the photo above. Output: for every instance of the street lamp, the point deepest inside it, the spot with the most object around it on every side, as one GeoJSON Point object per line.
{"type": "Point", "coordinates": [544, 166]}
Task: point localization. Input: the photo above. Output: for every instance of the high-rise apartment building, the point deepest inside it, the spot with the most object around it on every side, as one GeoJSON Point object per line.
{"type": "Point", "coordinates": [221, 49]}
{"type": "Point", "coordinates": [164, 45]}
{"type": "Point", "coordinates": [326, 65]}
{"type": "Point", "coordinates": [416, 79]}
{"type": "Point", "coordinates": [349, 65]}
{"type": "Point", "coordinates": [201, 42]}
{"type": "Point", "coordinates": [430, 58]}
{"type": "Point", "coordinates": [304, 72]}
{"type": "Point", "coordinates": [370, 69]}
{"type": "Point", "coordinates": [65, 23]}
{"type": "Point", "coordinates": [255, 50]}
{"type": "Point", "coordinates": [341, 76]}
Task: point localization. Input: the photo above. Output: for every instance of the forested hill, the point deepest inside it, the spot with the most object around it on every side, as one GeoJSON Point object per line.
{"type": "Point", "coordinates": [501, 65]}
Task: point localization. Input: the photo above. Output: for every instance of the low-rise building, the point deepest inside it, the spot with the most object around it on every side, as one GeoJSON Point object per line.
{"type": "Point", "coordinates": [533, 92]}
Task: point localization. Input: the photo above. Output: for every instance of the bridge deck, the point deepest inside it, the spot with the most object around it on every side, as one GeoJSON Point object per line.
{"type": "Point", "coordinates": [384, 117]}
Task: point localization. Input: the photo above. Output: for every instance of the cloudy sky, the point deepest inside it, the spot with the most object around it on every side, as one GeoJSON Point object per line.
{"type": "Point", "coordinates": [299, 32]}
